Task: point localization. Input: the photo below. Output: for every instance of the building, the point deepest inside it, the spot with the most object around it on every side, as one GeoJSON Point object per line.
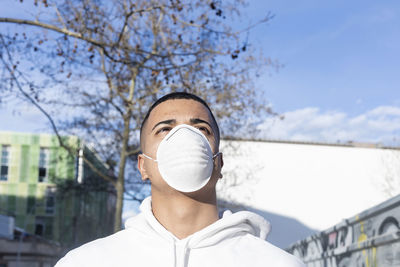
{"type": "Point", "coordinates": [21, 249]}
{"type": "Point", "coordinates": [52, 193]}
{"type": "Point", "coordinates": [305, 187]}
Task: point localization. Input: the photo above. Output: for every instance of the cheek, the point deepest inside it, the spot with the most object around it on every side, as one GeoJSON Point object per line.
{"type": "Point", "coordinates": [152, 147]}
{"type": "Point", "coordinates": [151, 167]}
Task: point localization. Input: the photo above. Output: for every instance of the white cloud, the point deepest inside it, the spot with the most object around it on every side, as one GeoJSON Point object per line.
{"type": "Point", "coordinates": [385, 110]}
{"type": "Point", "coordinates": [378, 125]}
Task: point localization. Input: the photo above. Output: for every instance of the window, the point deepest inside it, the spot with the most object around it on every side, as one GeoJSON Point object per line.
{"type": "Point", "coordinates": [50, 200]}
{"type": "Point", "coordinates": [44, 227]}
{"type": "Point", "coordinates": [5, 160]}
{"type": "Point", "coordinates": [39, 226]}
{"type": "Point", "coordinates": [43, 164]}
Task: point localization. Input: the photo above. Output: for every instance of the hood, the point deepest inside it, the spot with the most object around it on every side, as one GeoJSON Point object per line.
{"type": "Point", "coordinates": [230, 225]}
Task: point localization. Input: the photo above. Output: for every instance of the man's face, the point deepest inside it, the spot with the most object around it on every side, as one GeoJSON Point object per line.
{"type": "Point", "coordinates": [162, 119]}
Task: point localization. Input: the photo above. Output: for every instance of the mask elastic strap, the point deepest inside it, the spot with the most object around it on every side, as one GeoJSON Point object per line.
{"type": "Point", "coordinates": [156, 160]}
{"type": "Point", "coordinates": [149, 157]}
{"type": "Point", "coordinates": [216, 155]}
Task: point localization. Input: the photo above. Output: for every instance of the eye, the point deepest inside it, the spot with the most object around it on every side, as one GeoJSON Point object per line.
{"type": "Point", "coordinates": [163, 130]}
{"type": "Point", "coordinates": [204, 129]}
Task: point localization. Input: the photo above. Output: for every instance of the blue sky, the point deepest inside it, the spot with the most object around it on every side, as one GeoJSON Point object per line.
{"type": "Point", "coordinates": [341, 79]}
{"type": "Point", "coordinates": [341, 76]}
{"type": "Point", "coordinates": [343, 55]}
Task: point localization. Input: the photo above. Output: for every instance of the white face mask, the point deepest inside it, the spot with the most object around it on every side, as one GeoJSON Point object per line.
{"type": "Point", "coordinates": [185, 159]}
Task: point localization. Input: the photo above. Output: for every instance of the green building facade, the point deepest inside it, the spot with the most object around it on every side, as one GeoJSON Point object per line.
{"type": "Point", "coordinates": [51, 192]}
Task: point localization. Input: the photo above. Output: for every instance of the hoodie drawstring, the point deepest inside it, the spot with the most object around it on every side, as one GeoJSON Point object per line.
{"type": "Point", "coordinates": [181, 250]}
{"type": "Point", "coordinates": [174, 254]}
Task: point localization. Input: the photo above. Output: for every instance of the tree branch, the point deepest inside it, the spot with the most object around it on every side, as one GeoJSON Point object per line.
{"type": "Point", "coordinates": [53, 28]}
{"type": "Point", "coordinates": [133, 152]}
{"type": "Point", "coordinates": [99, 173]}
{"type": "Point", "coordinates": [52, 123]}
{"type": "Point", "coordinates": [65, 31]}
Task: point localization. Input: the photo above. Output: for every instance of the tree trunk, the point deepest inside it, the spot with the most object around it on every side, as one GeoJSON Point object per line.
{"type": "Point", "coordinates": [119, 205]}
{"type": "Point", "coordinates": [120, 185]}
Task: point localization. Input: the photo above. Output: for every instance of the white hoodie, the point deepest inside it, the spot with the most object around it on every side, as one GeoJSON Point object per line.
{"type": "Point", "coordinates": [234, 240]}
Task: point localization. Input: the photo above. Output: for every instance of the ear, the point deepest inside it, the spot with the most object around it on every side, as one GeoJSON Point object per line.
{"type": "Point", "coordinates": [141, 167]}
{"type": "Point", "coordinates": [221, 164]}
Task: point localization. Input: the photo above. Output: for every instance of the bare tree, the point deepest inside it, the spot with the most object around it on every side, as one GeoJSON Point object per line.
{"type": "Point", "coordinates": [93, 67]}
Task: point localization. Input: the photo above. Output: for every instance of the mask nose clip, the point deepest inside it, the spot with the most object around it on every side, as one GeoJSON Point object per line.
{"type": "Point", "coordinates": [217, 154]}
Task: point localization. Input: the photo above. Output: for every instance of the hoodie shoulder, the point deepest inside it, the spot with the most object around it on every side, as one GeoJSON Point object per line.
{"type": "Point", "coordinates": [268, 253]}
{"type": "Point", "coordinates": [117, 249]}
{"type": "Point", "coordinates": [239, 239]}
{"type": "Point", "coordinates": [94, 252]}
{"type": "Point", "coordinates": [100, 251]}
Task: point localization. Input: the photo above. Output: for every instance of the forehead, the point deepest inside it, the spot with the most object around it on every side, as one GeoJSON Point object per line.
{"type": "Point", "coordinates": [179, 109]}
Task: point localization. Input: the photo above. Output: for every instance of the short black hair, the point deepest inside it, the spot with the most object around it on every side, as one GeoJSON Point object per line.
{"type": "Point", "coordinates": [179, 95]}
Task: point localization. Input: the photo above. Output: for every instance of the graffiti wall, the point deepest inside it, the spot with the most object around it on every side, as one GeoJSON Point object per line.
{"type": "Point", "coordinates": [369, 239]}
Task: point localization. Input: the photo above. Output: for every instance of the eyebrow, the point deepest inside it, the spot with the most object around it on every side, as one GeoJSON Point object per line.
{"type": "Point", "coordinates": [169, 122]}
{"type": "Point", "coordinates": [173, 121]}
{"type": "Point", "coordinates": [197, 120]}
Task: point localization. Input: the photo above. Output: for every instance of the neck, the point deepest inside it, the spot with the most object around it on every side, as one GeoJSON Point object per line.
{"type": "Point", "coordinates": [184, 214]}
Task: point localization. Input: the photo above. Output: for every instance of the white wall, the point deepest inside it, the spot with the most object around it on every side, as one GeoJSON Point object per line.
{"type": "Point", "coordinates": [317, 185]}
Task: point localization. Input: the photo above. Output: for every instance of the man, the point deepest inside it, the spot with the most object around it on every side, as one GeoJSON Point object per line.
{"type": "Point", "coordinates": [179, 224]}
